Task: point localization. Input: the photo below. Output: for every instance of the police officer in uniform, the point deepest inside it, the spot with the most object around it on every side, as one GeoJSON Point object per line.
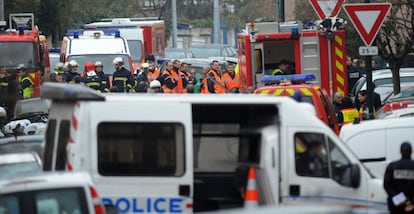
{"type": "Point", "coordinates": [399, 182]}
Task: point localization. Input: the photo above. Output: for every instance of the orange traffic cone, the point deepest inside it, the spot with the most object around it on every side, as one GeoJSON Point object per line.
{"type": "Point", "coordinates": [251, 197]}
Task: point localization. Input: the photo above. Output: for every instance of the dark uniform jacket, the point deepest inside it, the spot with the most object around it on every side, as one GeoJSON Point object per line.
{"type": "Point", "coordinates": [399, 177]}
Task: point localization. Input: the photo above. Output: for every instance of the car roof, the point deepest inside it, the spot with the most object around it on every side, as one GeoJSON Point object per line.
{"type": "Point", "coordinates": [399, 112]}
{"type": "Point", "coordinates": [12, 158]}
{"type": "Point", "coordinates": [22, 139]}
{"type": "Point", "coordinates": [45, 180]}
{"type": "Point", "coordinates": [212, 45]}
{"type": "Point", "coordinates": [350, 130]}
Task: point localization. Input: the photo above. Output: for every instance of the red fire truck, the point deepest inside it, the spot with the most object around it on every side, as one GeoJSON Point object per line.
{"type": "Point", "coordinates": [22, 44]}
{"type": "Point", "coordinates": [145, 36]}
{"type": "Point", "coordinates": [316, 51]}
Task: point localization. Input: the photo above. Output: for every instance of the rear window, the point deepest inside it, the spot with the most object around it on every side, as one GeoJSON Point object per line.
{"type": "Point", "coordinates": [131, 149]}
{"type": "Point", "coordinates": [66, 200]}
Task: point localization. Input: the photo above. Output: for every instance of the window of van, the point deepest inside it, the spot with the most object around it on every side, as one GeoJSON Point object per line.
{"type": "Point", "coordinates": [131, 149]}
{"type": "Point", "coordinates": [229, 145]}
{"type": "Point", "coordinates": [317, 156]}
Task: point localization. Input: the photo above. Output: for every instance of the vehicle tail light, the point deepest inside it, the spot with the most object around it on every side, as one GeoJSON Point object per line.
{"type": "Point", "coordinates": [97, 203]}
{"type": "Point", "coordinates": [396, 106]}
{"type": "Point", "coordinates": [404, 104]}
{"type": "Point", "coordinates": [387, 107]}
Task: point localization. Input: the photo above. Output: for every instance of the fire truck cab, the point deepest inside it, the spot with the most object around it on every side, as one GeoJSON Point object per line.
{"type": "Point", "coordinates": [316, 51]}
{"type": "Point", "coordinates": [22, 44]}
{"type": "Point", "coordinates": [287, 85]}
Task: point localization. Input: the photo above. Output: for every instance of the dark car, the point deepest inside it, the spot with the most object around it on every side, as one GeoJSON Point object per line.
{"type": "Point", "coordinates": [178, 53]}
{"type": "Point", "coordinates": [213, 50]}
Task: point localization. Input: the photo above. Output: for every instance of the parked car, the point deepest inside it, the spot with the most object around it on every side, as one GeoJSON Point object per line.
{"type": "Point", "coordinates": [381, 77]}
{"type": "Point", "coordinates": [178, 53]}
{"type": "Point", "coordinates": [212, 50]}
{"type": "Point", "coordinates": [22, 144]}
{"type": "Point", "coordinates": [19, 164]}
{"type": "Point", "coordinates": [62, 192]}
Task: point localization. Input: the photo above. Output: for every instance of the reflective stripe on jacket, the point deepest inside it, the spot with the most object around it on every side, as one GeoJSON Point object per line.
{"type": "Point", "coordinates": [349, 115]}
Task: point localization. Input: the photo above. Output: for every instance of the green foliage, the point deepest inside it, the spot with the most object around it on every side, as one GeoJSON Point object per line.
{"type": "Point", "coordinates": [202, 23]}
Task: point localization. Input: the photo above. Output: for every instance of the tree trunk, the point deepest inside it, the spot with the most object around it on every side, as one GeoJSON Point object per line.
{"type": "Point", "coordinates": [395, 69]}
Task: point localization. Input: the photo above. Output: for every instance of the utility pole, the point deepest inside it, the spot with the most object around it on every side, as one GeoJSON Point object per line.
{"type": "Point", "coordinates": [280, 11]}
{"type": "Point", "coordinates": [370, 89]}
{"type": "Point", "coordinates": [1, 10]}
{"type": "Point", "coordinates": [216, 29]}
{"type": "Point", "coordinates": [174, 22]}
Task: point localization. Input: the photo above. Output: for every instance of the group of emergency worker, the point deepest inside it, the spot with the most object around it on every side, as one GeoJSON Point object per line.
{"type": "Point", "coordinates": [175, 78]}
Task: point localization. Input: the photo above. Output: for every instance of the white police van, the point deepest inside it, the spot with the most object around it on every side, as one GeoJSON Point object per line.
{"type": "Point", "coordinates": [190, 153]}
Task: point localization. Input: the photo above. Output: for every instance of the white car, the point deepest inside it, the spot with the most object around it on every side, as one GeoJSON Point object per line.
{"type": "Point", "coordinates": [382, 77]}
{"type": "Point", "coordinates": [19, 164]}
{"type": "Point", "coordinates": [62, 192]}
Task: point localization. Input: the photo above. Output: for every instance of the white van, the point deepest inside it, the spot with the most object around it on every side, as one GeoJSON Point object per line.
{"type": "Point", "coordinates": [189, 153]}
{"type": "Point", "coordinates": [94, 45]}
{"type": "Point", "coordinates": [377, 143]}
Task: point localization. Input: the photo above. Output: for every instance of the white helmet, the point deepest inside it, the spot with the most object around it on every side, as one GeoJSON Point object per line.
{"type": "Point", "coordinates": [3, 112]}
{"type": "Point", "coordinates": [17, 125]}
{"type": "Point", "coordinates": [73, 63]}
{"type": "Point", "coordinates": [145, 65]}
{"type": "Point", "coordinates": [35, 128]}
{"type": "Point", "coordinates": [98, 63]}
{"type": "Point", "coordinates": [118, 61]}
{"type": "Point", "coordinates": [155, 84]}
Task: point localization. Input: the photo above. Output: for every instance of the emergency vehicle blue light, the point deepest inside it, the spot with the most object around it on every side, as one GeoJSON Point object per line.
{"type": "Point", "coordinates": [293, 77]}
{"type": "Point", "coordinates": [295, 32]}
{"type": "Point", "coordinates": [69, 92]}
{"type": "Point", "coordinates": [112, 32]}
{"type": "Point", "coordinates": [75, 35]}
{"type": "Point", "coordinates": [21, 30]}
{"type": "Point", "coordinates": [162, 60]}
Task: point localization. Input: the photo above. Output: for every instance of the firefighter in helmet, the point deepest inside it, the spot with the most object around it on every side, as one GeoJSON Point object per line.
{"type": "Point", "coordinates": [122, 78]}
{"type": "Point", "coordinates": [91, 79]}
{"type": "Point", "coordinates": [103, 76]}
{"type": "Point", "coordinates": [73, 71]}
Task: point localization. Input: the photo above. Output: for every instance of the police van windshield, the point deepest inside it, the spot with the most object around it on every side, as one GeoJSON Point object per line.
{"type": "Point", "coordinates": [106, 60]}
{"type": "Point", "coordinates": [12, 54]}
{"type": "Point", "coordinates": [135, 47]}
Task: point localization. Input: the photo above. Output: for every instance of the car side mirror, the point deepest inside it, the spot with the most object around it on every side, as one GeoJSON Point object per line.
{"type": "Point", "coordinates": [110, 209]}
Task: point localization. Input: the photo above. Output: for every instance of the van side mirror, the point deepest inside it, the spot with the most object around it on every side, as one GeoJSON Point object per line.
{"type": "Point", "coordinates": [355, 176]}
{"type": "Point", "coordinates": [110, 209]}
{"type": "Point", "coordinates": [351, 176]}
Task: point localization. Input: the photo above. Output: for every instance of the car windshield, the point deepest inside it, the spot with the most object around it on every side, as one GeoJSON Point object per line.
{"type": "Point", "coordinates": [106, 60]}
{"type": "Point", "coordinates": [12, 54]}
{"type": "Point", "coordinates": [10, 170]}
{"type": "Point", "coordinates": [175, 54]}
{"type": "Point", "coordinates": [135, 47]}
{"type": "Point", "coordinates": [31, 106]}
{"type": "Point", "coordinates": [205, 52]}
